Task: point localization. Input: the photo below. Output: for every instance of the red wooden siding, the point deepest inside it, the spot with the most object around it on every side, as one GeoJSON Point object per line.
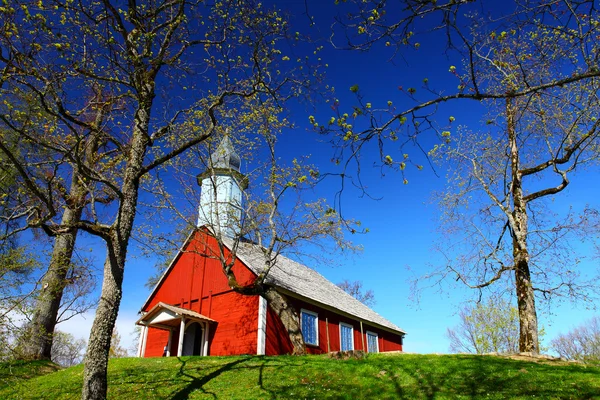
{"type": "Point", "coordinates": [156, 342]}
{"type": "Point", "coordinates": [195, 276]}
{"type": "Point", "coordinates": [388, 341]}
{"type": "Point", "coordinates": [329, 323]}
{"type": "Point", "coordinates": [236, 331]}
{"type": "Point", "coordinates": [277, 340]}
{"type": "Point", "coordinates": [197, 283]}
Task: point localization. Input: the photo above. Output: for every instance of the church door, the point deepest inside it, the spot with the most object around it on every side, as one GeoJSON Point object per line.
{"type": "Point", "coordinates": [192, 340]}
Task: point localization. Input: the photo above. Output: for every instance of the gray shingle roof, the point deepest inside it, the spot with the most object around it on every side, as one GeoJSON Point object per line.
{"type": "Point", "coordinates": [306, 282]}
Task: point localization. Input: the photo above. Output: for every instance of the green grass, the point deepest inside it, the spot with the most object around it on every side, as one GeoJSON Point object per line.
{"type": "Point", "coordinates": [379, 377]}
{"type": "Point", "coordinates": [15, 372]}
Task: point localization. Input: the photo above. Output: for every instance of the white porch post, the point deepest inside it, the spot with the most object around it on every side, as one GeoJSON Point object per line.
{"type": "Point", "coordinates": [205, 346]}
{"type": "Point", "coordinates": [169, 342]}
{"type": "Point", "coordinates": [261, 336]}
{"type": "Point", "coordinates": [141, 344]}
{"type": "Point", "coordinates": [144, 335]}
{"type": "Point", "coordinates": [181, 333]}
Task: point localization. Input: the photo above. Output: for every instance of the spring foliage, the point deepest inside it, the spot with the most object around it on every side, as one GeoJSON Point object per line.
{"type": "Point", "coordinates": [487, 327]}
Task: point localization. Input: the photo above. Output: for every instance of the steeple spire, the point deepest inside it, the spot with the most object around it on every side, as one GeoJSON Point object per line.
{"type": "Point", "coordinates": [225, 156]}
{"type": "Point", "coordinates": [222, 186]}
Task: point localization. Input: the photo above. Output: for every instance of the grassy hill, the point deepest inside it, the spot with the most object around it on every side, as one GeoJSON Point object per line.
{"type": "Point", "coordinates": [378, 377]}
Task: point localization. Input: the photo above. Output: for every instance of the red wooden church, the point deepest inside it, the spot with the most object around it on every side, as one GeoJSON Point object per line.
{"type": "Point", "coordinates": [192, 310]}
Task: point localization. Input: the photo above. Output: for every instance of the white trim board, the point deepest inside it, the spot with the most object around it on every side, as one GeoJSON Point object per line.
{"type": "Point", "coordinates": [261, 336]}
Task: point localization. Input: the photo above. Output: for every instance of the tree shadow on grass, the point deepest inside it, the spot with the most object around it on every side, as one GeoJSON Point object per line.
{"type": "Point", "coordinates": [314, 378]}
{"type": "Point", "coordinates": [421, 378]}
{"type": "Point", "coordinates": [390, 377]}
{"type": "Point", "coordinates": [452, 379]}
{"type": "Point", "coordinates": [198, 383]}
{"type": "Point", "coordinates": [491, 377]}
{"type": "Point", "coordinates": [274, 394]}
{"type": "Point", "coordinates": [202, 374]}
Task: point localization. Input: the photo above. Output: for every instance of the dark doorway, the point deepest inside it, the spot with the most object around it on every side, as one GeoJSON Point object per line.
{"type": "Point", "coordinates": [192, 340]}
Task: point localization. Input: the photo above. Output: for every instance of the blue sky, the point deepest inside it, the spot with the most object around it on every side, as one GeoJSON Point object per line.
{"type": "Point", "coordinates": [403, 222]}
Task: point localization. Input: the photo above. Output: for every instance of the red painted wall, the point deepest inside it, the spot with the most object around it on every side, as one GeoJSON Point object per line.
{"type": "Point", "coordinates": [278, 342]}
{"type": "Point", "coordinates": [196, 282]}
{"type": "Point", "coordinates": [156, 341]}
{"type": "Point", "coordinates": [388, 341]}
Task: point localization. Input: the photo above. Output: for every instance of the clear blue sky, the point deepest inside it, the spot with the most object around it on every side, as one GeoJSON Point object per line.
{"type": "Point", "coordinates": [403, 223]}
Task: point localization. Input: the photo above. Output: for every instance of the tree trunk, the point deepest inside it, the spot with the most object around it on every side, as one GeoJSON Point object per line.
{"type": "Point", "coordinates": [96, 358]}
{"type": "Point", "coordinates": [277, 301]}
{"type": "Point", "coordinates": [37, 338]}
{"type": "Point", "coordinates": [528, 332]}
{"type": "Point", "coordinates": [289, 317]}
{"type": "Point", "coordinates": [528, 326]}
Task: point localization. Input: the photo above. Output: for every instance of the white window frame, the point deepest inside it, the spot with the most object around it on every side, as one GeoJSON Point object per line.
{"type": "Point", "coordinates": [351, 334]}
{"type": "Point", "coordinates": [376, 341]}
{"type": "Point", "coordinates": [314, 314]}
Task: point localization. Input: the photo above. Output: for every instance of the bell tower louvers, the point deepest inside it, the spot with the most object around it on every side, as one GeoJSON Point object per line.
{"type": "Point", "coordinates": [221, 195]}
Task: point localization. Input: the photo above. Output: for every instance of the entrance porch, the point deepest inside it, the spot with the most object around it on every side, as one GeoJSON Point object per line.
{"type": "Point", "coordinates": [189, 328]}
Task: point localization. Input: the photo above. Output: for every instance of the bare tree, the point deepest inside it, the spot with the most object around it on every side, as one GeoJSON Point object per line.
{"type": "Point", "coordinates": [116, 350]}
{"type": "Point", "coordinates": [66, 350]}
{"type": "Point", "coordinates": [226, 54]}
{"type": "Point", "coordinates": [581, 343]}
{"type": "Point", "coordinates": [275, 231]}
{"type": "Point", "coordinates": [17, 264]}
{"type": "Point", "coordinates": [135, 340]}
{"type": "Point", "coordinates": [536, 67]}
{"type": "Point", "coordinates": [355, 290]}
{"type": "Point", "coordinates": [62, 272]}
{"type": "Point", "coordinates": [547, 136]}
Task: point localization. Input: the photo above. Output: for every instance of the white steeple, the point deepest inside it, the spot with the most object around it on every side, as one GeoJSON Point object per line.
{"type": "Point", "coordinates": [221, 195]}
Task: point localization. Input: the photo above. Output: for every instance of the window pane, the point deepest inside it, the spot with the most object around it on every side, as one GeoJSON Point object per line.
{"type": "Point", "coordinates": [309, 328]}
{"type": "Point", "coordinates": [346, 337]}
{"type": "Point", "coordinates": [372, 343]}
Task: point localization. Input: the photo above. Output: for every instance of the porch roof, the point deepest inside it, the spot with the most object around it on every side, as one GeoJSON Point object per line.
{"type": "Point", "coordinates": [166, 316]}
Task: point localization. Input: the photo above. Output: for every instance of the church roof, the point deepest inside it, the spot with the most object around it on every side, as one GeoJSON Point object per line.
{"type": "Point", "coordinates": [301, 280]}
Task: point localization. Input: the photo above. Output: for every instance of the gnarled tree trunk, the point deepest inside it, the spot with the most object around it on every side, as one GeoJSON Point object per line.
{"type": "Point", "coordinates": [96, 358]}
{"type": "Point", "coordinates": [528, 332]}
{"type": "Point", "coordinates": [289, 317]}
{"type": "Point", "coordinates": [37, 338]}
{"type": "Point", "coordinates": [528, 326]}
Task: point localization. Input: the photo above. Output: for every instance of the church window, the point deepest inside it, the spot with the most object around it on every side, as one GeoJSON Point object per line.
{"type": "Point", "coordinates": [372, 342]}
{"type": "Point", "coordinates": [346, 337]}
{"type": "Point", "coordinates": [310, 327]}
